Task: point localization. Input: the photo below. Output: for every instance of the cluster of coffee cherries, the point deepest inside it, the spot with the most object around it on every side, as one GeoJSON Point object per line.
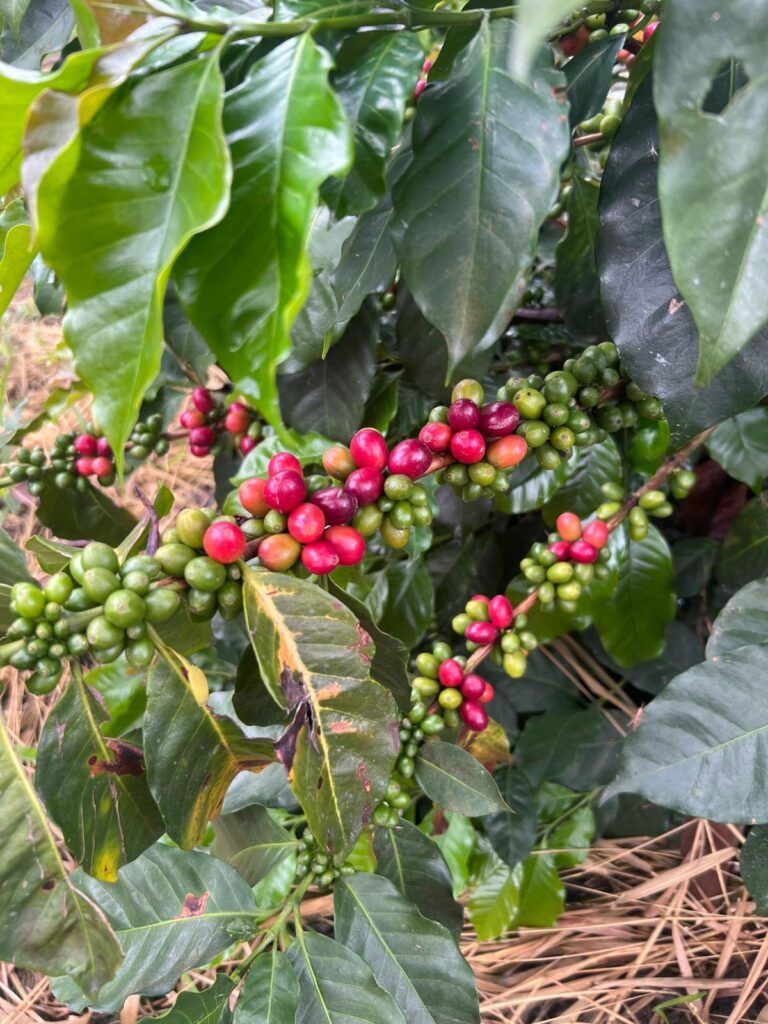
{"type": "Point", "coordinates": [602, 18]}
{"type": "Point", "coordinates": [571, 558]}
{"type": "Point", "coordinates": [493, 621]}
{"type": "Point", "coordinates": [147, 439]}
{"type": "Point", "coordinates": [445, 691]}
{"type": "Point", "coordinates": [655, 503]}
{"type": "Point", "coordinates": [311, 859]}
{"type": "Point", "coordinates": [74, 458]}
{"type": "Point", "coordinates": [209, 418]}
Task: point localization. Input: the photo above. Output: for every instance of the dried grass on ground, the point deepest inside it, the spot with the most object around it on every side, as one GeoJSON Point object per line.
{"type": "Point", "coordinates": [649, 920]}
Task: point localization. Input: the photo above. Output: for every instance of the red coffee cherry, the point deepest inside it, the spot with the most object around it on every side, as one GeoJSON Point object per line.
{"type": "Point", "coordinates": [284, 462]}
{"type": "Point", "coordinates": [410, 457]}
{"type": "Point", "coordinates": [84, 465]}
{"type": "Point", "coordinates": [200, 450]}
{"type": "Point", "coordinates": [247, 444]}
{"type": "Point", "coordinates": [561, 549]}
{"type": "Point", "coordinates": [192, 418]}
{"type": "Point", "coordinates": [365, 485]}
{"type": "Point", "coordinates": [582, 551]}
{"type": "Point", "coordinates": [306, 523]}
{"type": "Point", "coordinates": [463, 414]}
{"type": "Point", "coordinates": [649, 30]}
{"type": "Point", "coordinates": [468, 446]}
{"type": "Point", "coordinates": [202, 437]}
{"type": "Point", "coordinates": [348, 542]}
{"type": "Point", "coordinates": [473, 716]}
{"type": "Point", "coordinates": [436, 436]}
{"type": "Point", "coordinates": [473, 687]}
{"type": "Point", "coordinates": [224, 542]}
{"type": "Point", "coordinates": [202, 400]}
{"type": "Point", "coordinates": [482, 633]}
{"type": "Point", "coordinates": [285, 490]}
{"type": "Point", "coordinates": [320, 557]}
{"type": "Point", "coordinates": [252, 498]}
{"type": "Point", "coordinates": [568, 525]}
{"type": "Point", "coordinates": [85, 444]}
{"type": "Point", "coordinates": [507, 451]}
{"type": "Point", "coordinates": [487, 695]}
{"type": "Point", "coordinates": [368, 448]}
{"type": "Point", "coordinates": [596, 534]}
{"type": "Point", "coordinates": [238, 418]}
{"type": "Point", "coordinates": [498, 419]}
{"type": "Point", "coordinates": [101, 466]}
{"type": "Point", "coordinates": [279, 552]}
{"type": "Point", "coordinates": [338, 462]}
{"type": "Point", "coordinates": [450, 673]}
{"type": "Point", "coordinates": [103, 447]}
{"type": "Point", "coordinates": [337, 506]}
{"type": "Point", "coordinates": [501, 611]}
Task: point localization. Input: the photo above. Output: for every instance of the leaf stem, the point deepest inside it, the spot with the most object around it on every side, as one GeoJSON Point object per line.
{"type": "Point", "coordinates": [273, 930]}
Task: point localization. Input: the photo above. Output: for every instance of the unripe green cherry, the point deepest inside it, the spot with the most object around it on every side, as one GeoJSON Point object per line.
{"type": "Point", "coordinates": [52, 611]}
{"type": "Point", "coordinates": [612, 490]}
{"type": "Point", "coordinates": [560, 572]}
{"type": "Point", "coordinates": [422, 515]}
{"type": "Point", "coordinates": [555, 414]}
{"type": "Point", "coordinates": [477, 610]}
{"type": "Point", "coordinates": [529, 402]}
{"type": "Point", "coordinates": [460, 622]}
{"type": "Point", "coordinates": [583, 572]}
{"type": "Point", "coordinates": [562, 438]}
{"type": "Point", "coordinates": [418, 712]}
{"type": "Point", "coordinates": [142, 563]}
{"type": "Point", "coordinates": [529, 640]}
{"type": "Point", "coordinates": [139, 653]}
{"type": "Point", "coordinates": [124, 608]}
{"type": "Point", "coordinates": [138, 631]}
{"type": "Point", "coordinates": [367, 520]}
{"type": "Point", "coordinates": [136, 581]}
{"type": "Point", "coordinates": [392, 535]}
{"type": "Point", "coordinates": [427, 664]}
{"type": "Point", "coordinates": [450, 697]}
{"type": "Point", "coordinates": [202, 604]}
{"type": "Point", "coordinates": [535, 432]}
{"type": "Point", "coordinates": [663, 511]}
{"type": "Point", "coordinates": [425, 686]}
{"type": "Point", "coordinates": [77, 645]}
{"type": "Point", "coordinates": [398, 487]}
{"type": "Point", "coordinates": [99, 583]}
{"type": "Point", "coordinates": [439, 414]}
{"type": "Point", "coordinates": [161, 604]}
{"type": "Point", "coordinates": [97, 555]}
{"type": "Point", "coordinates": [173, 557]}
{"type": "Point", "coordinates": [406, 766]}
{"type": "Point", "coordinates": [469, 388]}
{"type": "Point", "coordinates": [431, 725]}
{"type": "Point", "coordinates": [510, 642]}
{"type": "Point", "coordinates": [546, 592]}
{"type": "Point", "coordinates": [607, 509]}
{"type": "Point", "coordinates": [58, 588]}
{"type": "Point", "coordinates": [230, 598]}
{"type": "Point", "coordinates": [41, 684]}
{"type": "Point", "coordinates": [401, 515]}
{"type": "Point", "coordinates": [547, 456]}
{"type": "Point", "coordinates": [418, 496]}
{"type": "Point", "coordinates": [535, 573]}
{"type": "Point", "coordinates": [203, 573]}
{"type": "Point", "coordinates": [515, 664]}
{"type": "Point", "coordinates": [569, 591]}
{"type": "Point", "coordinates": [103, 634]}
{"type": "Point", "coordinates": [28, 600]}
{"type": "Point", "coordinates": [652, 500]}
{"type": "Point", "coordinates": [275, 522]}
{"type": "Point", "coordinates": [191, 524]}
{"type": "Point", "coordinates": [106, 655]}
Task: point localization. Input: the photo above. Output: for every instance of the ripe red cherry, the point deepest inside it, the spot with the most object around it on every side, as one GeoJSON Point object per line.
{"type": "Point", "coordinates": [284, 462]}
{"type": "Point", "coordinates": [192, 418]}
{"type": "Point", "coordinates": [348, 542]}
{"type": "Point", "coordinates": [649, 30]}
{"type": "Point", "coordinates": [410, 457]}
{"type": "Point", "coordinates": [463, 414]}
{"type": "Point", "coordinates": [201, 398]}
{"type": "Point", "coordinates": [582, 551]}
{"type": "Point", "coordinates": [369, 448]}
{"type": "Point", "coordinates": [450, 673]}
{"type": "Point", "coordinates": [284, 491]}
{"type": "Point", "coordinates": [468, 446]}
{"type": "Point", "coordinates": [247, 444]}
{"type": "Point", "coordinates": [320, 557]}
{"type": "Point", "coordinates": [251, 495]}
{"type": "Point", "coordinates": [200, 450]}
{"type": "Point", "coordinates": [101, 466]}
{"type": "Point", "coordinates": [338, 462]}
{"type": "Point", "coordinates": [365, 485]}
{"type": "Point", "coordinates": [481, 632]}
{"type": "Point", "coordinates": [473, 716]}
{"type": "Point", "coordinates": [561, 549]}
{"type": "Point", "coordinates": [568, 525]}
{"type": "Point", "coordinates": [85, 444]}
{"type": "Point", "coordinates": [507, 452]}
{"type": "Point", "coordinates": [306, 523]}
{"type": "Point", "coordinates": [436, 436]}
{"type": "Point", "coordinates": [487, 695]}
{"type": "Point", "coordinates": [596, 534]}
{"type": "Point", "coordinates": [103, 447]}
{"type": "Point", "coordinates": [236, 421]}
{"type": "Point", "coordinates": [203, 437]}
{"type": "Point", "coordinates": [338, 507]}
{"type": "Point", "coordinates": [84, 465]}
{"type": "Point", "coordinates": [473, 687]}
{"type": "Point", "coordinates": [501, 611]}
{"type": "Point", "coordinates": [224, 542]}
{"type": "Point", "coordinates": [279, 551]}
{"type": "Point", "coordinates": [498, 419]}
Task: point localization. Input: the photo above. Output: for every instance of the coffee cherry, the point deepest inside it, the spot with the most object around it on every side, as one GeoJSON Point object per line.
{"type": "Point", "coordinates": [473, 687]}
{"type": "Point", "coordinates": [583, 552]}
{"type": "Point", "coordinates": [320, 557]}
{"type": "Point", "coordinates": [500, 611]}
{"type": "Point", "coordinates": [348, 543]}
{"type": "Point", "coordinates": [338, 462]}
{"type": "Point", "coordinates": [202, 437]}
{"type": "Point", "coordinates": [285, 490]}
{"type": "Point", "coordinates": [84, 465]}
{"type": "Point", "coordinates": [161, 604]}
{"type": "Point", "coordinates": [463, 414]}
{"type": "Point", "coordinates": [237, 418]}
{"type": "Point", "coordinates": [529, 402]}
{"type": "Point", "coordinates": [365, 485]}
{"type": "Point", "coordinates": [251, 495]}
{"type": "Point", "coordinates": [498, 419]}
{"type": "Point", "coordinates": [306, 523]}
{"type": "Point", "coordinates": [468, 388]}
{"type": "Point", "coordinates": [473, 715]}
{"type": "Point", "coordinates": [124, 608]}
{"type": "Point", "coordinates": [436, 436]}
{"type": "Point", "coordinates": [596, 534]}
{"type": "Point", "coordinates": [85, 444]}
{"type": "Point", "coordinates": [192, 418]}
{"type": "Point", "coordinates": [205, 573]}
{"type": "Point", "coordinates": [284, 462]}
{"type": "Point", "coordinates": [507, 452]}
{"type": "Point", "coordinates": [368, 448]}
{"type": "Point", "coordinates": [247, 444]}
{"type": "Point", "coordinates": [515, 664]}
{"type": "Point", "coordinates": [28, 600]}
{"type": "Point", "coordinates": [279, 552]}
{"type": "Point", "coordinates": [199, 451]}
{"type": "Point", "coordinates": [190, 525]}
{"type": "Point", "coordinates": [173, 557]}
{"type": "Point", "coordinates": [561, 549]}
{"type": "Point", "coordinates": [202, 400]}
{"type": "Point", "coordinates": [224, 542]}
{"type": "Point", "coordinates": [337, 505]}
{"type": "Point", "coordinates": [482, 632]}
{"type": "Point", "coordinates": [450, 697]}
{"type": "Point", "coordinates": [450, 673]}
{"type": "Point", "coordinates": [468, 446]}
{"type": "Point", "coordinates": [393, 536]}
{"type": "Point", "coordinates": [410, 457]}
{"type": "Point", "coordinates": [568, 525]}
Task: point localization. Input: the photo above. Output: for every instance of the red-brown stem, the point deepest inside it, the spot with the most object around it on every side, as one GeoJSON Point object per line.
{"type": "Point", "coordinates": [584, 140]}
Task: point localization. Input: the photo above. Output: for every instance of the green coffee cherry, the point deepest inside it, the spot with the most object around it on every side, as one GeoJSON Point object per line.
{"type": "Point", "coordinates": [172, 557]}
{"type": "Point", "coordinates": [99, 556]}
{"type": "Point", "coordinates": [124, 608]}
{"type": "Point", "coordinates": [191, 524]}
{"type": "Point", "coordinates": [58, 588]}
{"type": "Point", "coordinates": [103, 634]}
{"type": "Point", "coordinates": [99, 583]}
{"type": "Point", "coordinates": [161, 604]}
{"type": "Point", "coordinates": [203, 573]}
{"type": "Point", "coordinates": [28, 600]}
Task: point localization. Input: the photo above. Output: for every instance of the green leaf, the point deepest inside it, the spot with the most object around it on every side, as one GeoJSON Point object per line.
{"type": "Point", "coordinates": [123, 692]}
{"type": "Point", "coordinates": [244, 281]}
{"type": "Point", "coordinates": [694, 559]}
{"type": "Point", "coordinates": [652, 325]}
{"type": "Point", "coordinates": [542, 895]}
{"type": "Point", "coordinates": [192, 755]}
{"type": "Point", "coordinates": [531, 486]}
{"type": "Point", "coordinates": [94, 788]}
{"type": "Point", "coordinates": [712, 183]}
{"type": "Point", "coordinates": [403, 597]}
{"type": "Point", "coordinates": [374, 78]}
{"type": "Point", "coordinates": [571, 835]}
{"type": "Point", "coordinates": [155, 153]}
{"type": "Point", "coordinates": [12, 13]}
{"type": "Point", "coordinates": [456, 839]}
{"type": "Point", "coordinates": [682, 649]}
{"type": "Point", "coordinates": [16, 250]}
{"type": "Point", "coordinates": [252, 842]}
{"type": "Point", "coordinates": [465, 204]}
{"type": "Point", "coordinates": [633, 622]}
{"type": "Point", "coordinates": [588, 77]}
{"type": "Point", "coordinates": [207, 1007]}
{"type": "Point", "coordinates": [171, 910]}
{"type": "Point", "coordinates": [412, 862]}
{"type": "Point", "coordinates": [581, 493]}
{"type": "Point", "coordinates": [44, 29]}
{"type": "Point", "coordinates": [315, 658]}
{"type": "Point", "coordinates": [577, 286]}
{"type": "Point", "coordinates": [456, 781]}
{"type": "Point", "coordinates": [753, 862]}
{"type": "Point", "coordinates": [93, 516]}
{"type": "Point", "coordinates": [307, 448]}
{"type": "Point", "coordinates": [51, 556]}
{"type": "Point", "coordinates": [702, 743]}
{"type": "Point", "coordinates": [740, 445]}
{"type": "Point", "coordinates": [46, 923]}
{"type": "Point", "coordinates": [535, 19]}
{"type": "Point", "coordinates": [494, 896]}
{"type": "Point", "coordinates": [251, 699]}
{"type": "Point", "coordinates": [577, 748]}
{"type": "Point", "coordinates": [270, 994]}
{"type": "Point", "coordinates": [187, 345]}
{"type": "Point", "coordinates": [272, 890]}
{"type": "Point", "coordinates": [744, 555]}
{"type": "Point", "coordinates": [375, 920]}
{"type": "Point", "coordinates": [512, 833]}
{"type": "Point", "coordinates": [13, 566]}
{"type": "Point", "coordinates": [336, 985]}
{"type": "Point", "coordinates": [743, 622]}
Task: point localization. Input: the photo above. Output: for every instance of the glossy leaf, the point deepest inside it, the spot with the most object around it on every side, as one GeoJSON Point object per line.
{"type": "Point", "coordinates": [316, 659]}
{"type": "Point", "coordinates": [93, 515]}
{"type": "Point", "coordinates": [44, 28]}
{"type": "Point", "coordinates": [494, 896]}
{"type": "Point", "coordinates": [588, 78]}
{"type": "Point", "coordinates": [412, 862]}
{"type": "Point", "coordinates": [251, 699]}
{"type": "Point", "coordinates": [633, 622]}
{"type": "Point", "coordinates": [336, 985]}
{"type": "Point", "coordinates": [581, 493]}
{"type": "Point", "coordinates": [308, 449]}
{"type": "Point", "coordinates": [207, 1007]}
{"type": "Point", "coordinates": [694, 559]}
{"type": "Point", "coordinates": [16, 250]}
{"type": "Point", "coordinates": [46, 923]}
{"type": "Point", "coordinates": [744, 555]}
{"type": "Point", "coordinates": [252, 842]}
{"type": "Point", "coordinates": [682, 649]}
{"type": "Point", "coordinates": [94, 788]}
{"type": "Point", "coordinates": [578, 748]}
{"type": "Point", "coordinates": [542, 895]}
{"type": "Point", "coordinates": [456, 781]}
{"type": "Point", "coordinates": [192, 754]}
{"type": "Point", "coordinates": [171, 910]}
{"type": "Point", "coordinates": [456, 839]}
{"type": "Point", "coordinates": [414, 959]}
{"type": "Point", "coordinates": [465, 204]}
{"type": "Point", "coordinates": [122, 691]}
{"type": "Point", "coordinates": [270, 994]}
{"type": "Point", "coordinates": [652, 325]}
{"type": "Point", "coordinates": [743, 622]}
{"type": "Point", "coordinates": [740, 445]}
{"type": "Point", "coordinates": [13, 566]}
{"type": "Point", "coordinates": [403, 599]}
{"type": "Point", "coordinates": [244, 281]}
{"type": "Point", "coordinates": [577, 286]}
{"type": "Point", "coordinates": [512, 833]}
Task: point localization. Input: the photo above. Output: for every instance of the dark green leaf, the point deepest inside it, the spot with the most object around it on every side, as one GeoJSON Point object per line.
{"type": "Point", "coordinates": [744, 556]}
{"type": "Point", "coordinates": [404, 598]}
{"type": "Point", "coordinates": [754, 867]}
{"type": "Point", "coordinates": [588, 78]}
{"type": "Point", "coordinates": [414, 863]}
{"type": "Point", "coordinates": [46, 924]}
{"type": "Point", "coordinates": [740, 445]}
{"type": "Point", "coordinates": [187, 345]}
{"type": "Point", "coordinates": [531, 487]}
{"type": "Point", "coordinates": [743, 622]}
{"type": "Point", "coordinates": [375, 920]}
{"type": "Point", "coordinates": [92, 515]}
{"type": "Point", "coordinates": [184, 634]}
{"type": "Point", "coordinates": [542, 895]}
{"type": "Point", "coordinates": [251, 699]}
{"type": "Point", "coordinates": [13, 566]}
{"type": "Point", "coordinates": [577, 287]}
{"type": "Point", "coordinates": [535, 19]}
{"type": "Point", "coordinates": [123, 691]}
{"type": "Point", "coordinates": [270, 788]}
{"type": "Point", "coordinates": [494, 896]}
{"type": "Point", "coordinates": [270, 994]}
{"type": "Point", "coordinates": [694, 559]}
{"type": "Point", "coordinates": [456, 781]}
{"type": "Point", "coordinates": [207, 1007]}
{"type": "Point", "coordinates": [578, 748]}
{"type": "Point", "coordinates": [44, 27]}
{"type": "Point", "coordinates": [456, 838]}
{"type": "Point", "coordinates": [252, 842]}
{"type": "Point", "coordinates": [512, 833]}
{"type": "Point", "coordinates": [682, 649]}
{"type": "Point", "coordinates": [463, 204]}
{"type": "Point", "coordinates": [50, 554]}
{"type": "Point", "coordinates": [244, 281]}
{"type": "Point", "coordinates": [597, 465]}
{"type": "Point", "coordinates": [543, 688]}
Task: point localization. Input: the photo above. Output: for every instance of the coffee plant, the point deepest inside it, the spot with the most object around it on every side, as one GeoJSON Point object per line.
{"type": "Point", "coordinates": [483, 288]}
